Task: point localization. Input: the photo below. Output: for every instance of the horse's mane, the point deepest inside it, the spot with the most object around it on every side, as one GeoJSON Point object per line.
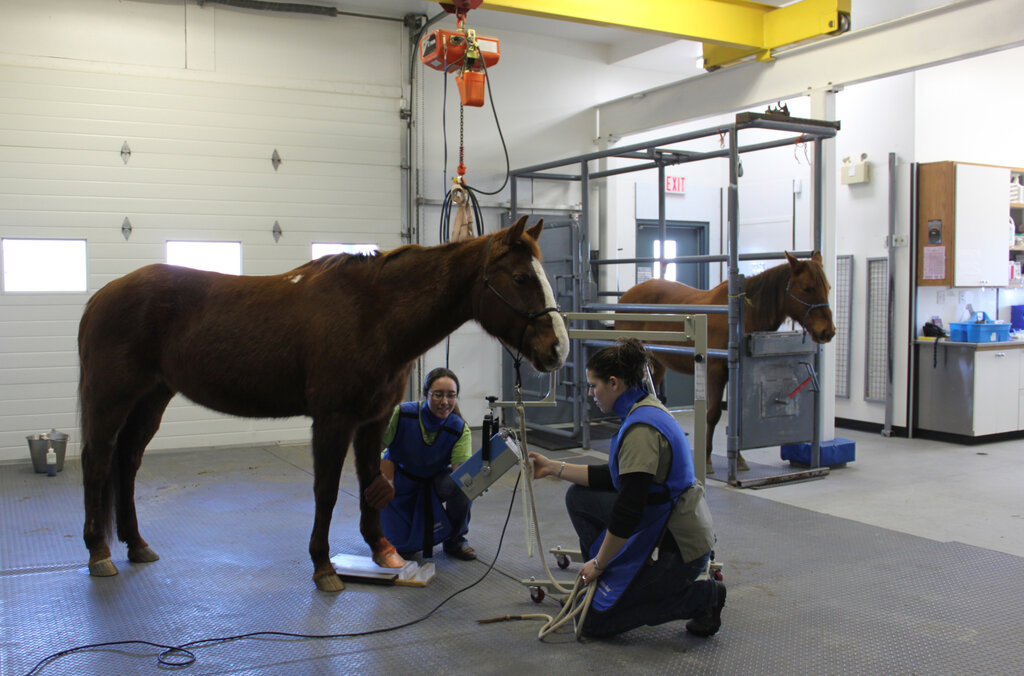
{"type": "Point", "coordinates": [764, 291]}
{"type": "Point", "coordinates": [332, 262]}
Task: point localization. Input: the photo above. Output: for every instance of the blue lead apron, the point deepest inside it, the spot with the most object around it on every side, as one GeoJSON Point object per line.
{"type": "Point", "coordinates": [415, 518]}
{"type": "Point", "coordinates": [622, 569]}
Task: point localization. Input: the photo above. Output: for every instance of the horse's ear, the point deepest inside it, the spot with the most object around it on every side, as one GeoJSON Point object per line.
{"type": "Point", "coordinates": [515, 231]}
{"type": "Point", "coordinates": [793, 262]}
{"type": "Point", "coordinates": [816, 257]}
{"type": "Point", "coordinates": [535, 230]}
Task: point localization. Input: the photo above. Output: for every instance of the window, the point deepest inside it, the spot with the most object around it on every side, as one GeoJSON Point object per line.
{"type": "Point", "coordinates": [223, 257]}
{"type": "Point", "coordinates": [670, 252]}
{"type": "Point", "coordinates": [44, 265]}
{"type": "Point", "coordinates": [327, 248]}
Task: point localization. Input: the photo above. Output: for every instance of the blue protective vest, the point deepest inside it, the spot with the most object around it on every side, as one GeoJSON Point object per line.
{"type": "Point", "coordinates": [415, 518]}
{"type": "Point", "coordinates": [621, 570]}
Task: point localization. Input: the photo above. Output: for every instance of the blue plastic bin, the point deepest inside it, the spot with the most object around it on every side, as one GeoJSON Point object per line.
{"type": "Point", "coordinates": [963, 332]}
{"type": "Point", "coordinates": [984, 331]}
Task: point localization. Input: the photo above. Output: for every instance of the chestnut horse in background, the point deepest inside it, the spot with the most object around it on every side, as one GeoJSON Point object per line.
{"type": "Point", "coordinates": [334, 339]}
{"type": "Point", "coordinates": [796, 289]}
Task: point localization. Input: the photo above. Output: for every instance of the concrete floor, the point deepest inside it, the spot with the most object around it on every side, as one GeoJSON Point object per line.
{"type": "Point", "coordinates": [909, 560]}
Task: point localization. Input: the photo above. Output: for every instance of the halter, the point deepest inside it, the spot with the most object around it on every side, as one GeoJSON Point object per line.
{"type": "Point", "coordinates": [809, 306]}
{"type": "Point", "coordinates": [517, 359]}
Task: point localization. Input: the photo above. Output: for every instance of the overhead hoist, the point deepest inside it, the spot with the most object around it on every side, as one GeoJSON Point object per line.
{"type": "Point", "coordinates": [468, 54]}
{"type": "Point", "coordinates": [462, 51]}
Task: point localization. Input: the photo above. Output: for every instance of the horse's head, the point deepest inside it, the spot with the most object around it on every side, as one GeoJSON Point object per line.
{"type": "Point", "coordinates": [515, 303]}
{"type": "Point", "coordinates": [806, 298]}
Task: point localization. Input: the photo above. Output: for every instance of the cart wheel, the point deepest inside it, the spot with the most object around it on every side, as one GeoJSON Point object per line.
{"type": "Point", "coordinates": [717, 575]}
{"type": "Point", "coordinates": [563, 561]}
{"type": "Point", "coordinates": [537, 594]}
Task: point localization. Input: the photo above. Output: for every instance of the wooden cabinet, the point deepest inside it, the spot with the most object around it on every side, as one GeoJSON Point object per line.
{"type": "Point", "coordinates": [963, 225]}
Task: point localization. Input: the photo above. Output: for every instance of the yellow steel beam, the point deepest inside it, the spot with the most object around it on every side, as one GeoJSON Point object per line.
{"type": "Point", "coordinates": [729, 29]}
{"type": "Point", "coordinates": [785, 26]}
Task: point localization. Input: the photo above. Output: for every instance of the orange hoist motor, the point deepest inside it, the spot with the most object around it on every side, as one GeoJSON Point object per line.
{"type": "Point", "coordinates": [463, 51]}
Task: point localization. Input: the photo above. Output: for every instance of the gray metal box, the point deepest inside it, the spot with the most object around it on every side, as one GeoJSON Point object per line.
{"type": "Point", "coordinates": [774, 408]}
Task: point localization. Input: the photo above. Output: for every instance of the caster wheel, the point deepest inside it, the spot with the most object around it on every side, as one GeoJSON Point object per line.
{"type": "Point", "coordinates": [563, 561]}
{"type": "Point", "coordinates": [537, 594]}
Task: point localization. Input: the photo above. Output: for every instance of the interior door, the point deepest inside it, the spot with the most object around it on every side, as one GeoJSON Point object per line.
{"type": "Point", "coordinates": [682, 238]}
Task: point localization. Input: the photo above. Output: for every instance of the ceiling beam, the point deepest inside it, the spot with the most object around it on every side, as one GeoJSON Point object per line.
{"type": "Point", "coordinates": [947, 33]}
{"type": "Point", "coordinates": [729, 29]}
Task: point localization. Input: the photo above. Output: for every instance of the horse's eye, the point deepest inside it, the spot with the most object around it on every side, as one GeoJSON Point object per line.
{"type": "Point", "coordinates": [808, 289]}
{"type": "Point", "coordinates": [520, 279]}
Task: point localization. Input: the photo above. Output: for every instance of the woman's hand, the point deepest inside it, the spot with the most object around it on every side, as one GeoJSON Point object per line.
{"type": "Point", "coordinates": [542, 467]}
{"type": "Point", "coordinates": [590, 571]}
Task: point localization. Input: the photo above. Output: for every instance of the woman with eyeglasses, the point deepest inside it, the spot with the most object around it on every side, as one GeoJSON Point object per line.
{"type": "Point", "coordinates": [423, 443]}
{"type": "Point", "coordinates": [642, 519]}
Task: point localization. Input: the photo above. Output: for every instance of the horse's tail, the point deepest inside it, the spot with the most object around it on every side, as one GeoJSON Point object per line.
{"type": "Point", "coordinates": [98, 467]}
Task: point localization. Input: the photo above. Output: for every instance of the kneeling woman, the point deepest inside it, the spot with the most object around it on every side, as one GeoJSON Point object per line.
{"type": "Point", "coordinates": [424, 443]}
{"type": "Point", "coordinates": [641, 518]}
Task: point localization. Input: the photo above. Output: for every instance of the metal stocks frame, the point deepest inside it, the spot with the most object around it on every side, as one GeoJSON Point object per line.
{"type": "Point", "coordinates": [654, 155]}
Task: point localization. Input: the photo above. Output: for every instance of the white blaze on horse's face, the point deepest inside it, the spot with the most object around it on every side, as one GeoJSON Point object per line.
{"type": "Point", "coordinates": [561, 335]}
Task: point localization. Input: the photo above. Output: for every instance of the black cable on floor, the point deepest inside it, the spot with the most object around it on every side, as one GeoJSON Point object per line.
{"type": "Point", "coordinates": [181, 656]}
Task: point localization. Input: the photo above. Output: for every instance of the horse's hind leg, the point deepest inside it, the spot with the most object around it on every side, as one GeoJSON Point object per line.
{"type": "Point", "coordinates": [331, 437]}
{"type": "Point", "coordinates": [143, 422]}
{"type": "Point", "coordinates": [367, 445]}
{"type": "Point", "coordinates": [718, 375]}
{"type": "Point", "coordinates": [100, 423]}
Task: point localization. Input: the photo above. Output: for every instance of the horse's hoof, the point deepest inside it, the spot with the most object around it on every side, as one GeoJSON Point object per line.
{"type": "Point", "coordinates": [102, 568]}
{"type": "Point", "coordinates": [389, 558]}
{"type": "Point", "coordinates": [142, 555]}
{"type": "Point", "coordinates": [329, 582]}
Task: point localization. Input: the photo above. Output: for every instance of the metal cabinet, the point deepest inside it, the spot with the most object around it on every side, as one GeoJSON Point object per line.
{"type": "Point", "coordinates": [971, 389]}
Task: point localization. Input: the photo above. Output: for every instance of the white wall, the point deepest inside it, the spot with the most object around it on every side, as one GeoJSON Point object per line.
{"type": "Point", "coordinates": [877, 119]}
{"type": "Point", "coordinates": [203, 96]}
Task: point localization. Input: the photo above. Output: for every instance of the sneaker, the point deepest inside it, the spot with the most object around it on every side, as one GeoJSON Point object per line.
{"type": "Point", "coordinates": [463, 552]}
{"type": "Point", "coordinates": [709, 626]}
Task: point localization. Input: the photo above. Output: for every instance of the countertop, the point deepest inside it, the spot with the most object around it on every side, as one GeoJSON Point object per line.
{"type": "Point", "coordinates": [1001, 345]}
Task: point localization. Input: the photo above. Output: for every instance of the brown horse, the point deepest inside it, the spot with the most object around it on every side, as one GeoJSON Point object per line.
{"type": "Point", "coordinates": [334, 339]}
{"type": "Point", "coordinates": [796, 289]}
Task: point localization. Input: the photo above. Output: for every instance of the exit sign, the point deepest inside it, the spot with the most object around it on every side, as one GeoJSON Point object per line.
{"type": "Point", "coordinates": [674, 184]}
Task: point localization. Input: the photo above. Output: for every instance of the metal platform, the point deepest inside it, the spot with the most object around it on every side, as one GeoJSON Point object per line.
{"type": "Point", "coordinates": [808, 593]}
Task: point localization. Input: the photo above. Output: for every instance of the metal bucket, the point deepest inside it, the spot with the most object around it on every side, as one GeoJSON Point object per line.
{"type": "Point", "coordinates": [39, 444]}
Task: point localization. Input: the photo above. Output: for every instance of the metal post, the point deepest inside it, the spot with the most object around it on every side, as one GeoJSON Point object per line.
{"type": "Point", "coordinates": [816, 359]}
{"type": "Point", "coordinates": [662, 228]}
{"type": "Point", "coordinates": [735, 289]}
{"type": "Point", "coordinates": [580, 406]}
{"type": "Point", "coordinates": [890, 367]}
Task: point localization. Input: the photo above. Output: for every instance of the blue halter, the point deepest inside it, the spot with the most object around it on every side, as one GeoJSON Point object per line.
{"type": "Point", "coordinates": [809, 306]}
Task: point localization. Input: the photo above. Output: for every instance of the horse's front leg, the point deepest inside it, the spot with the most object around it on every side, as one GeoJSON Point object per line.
{"type": "Point", "coordinates": [331, 436]}
{"type": "Point", "coordinates": [367, 446]}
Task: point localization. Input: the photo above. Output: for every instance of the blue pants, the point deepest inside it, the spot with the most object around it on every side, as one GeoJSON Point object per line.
{"type": "Point", "coordinates": [663, 591]}
{"type": "Point", "coordinates": [456, 507]}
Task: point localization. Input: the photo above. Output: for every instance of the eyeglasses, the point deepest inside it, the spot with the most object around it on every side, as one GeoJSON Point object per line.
{"type": "Point", "coordinates": [440, 396]}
